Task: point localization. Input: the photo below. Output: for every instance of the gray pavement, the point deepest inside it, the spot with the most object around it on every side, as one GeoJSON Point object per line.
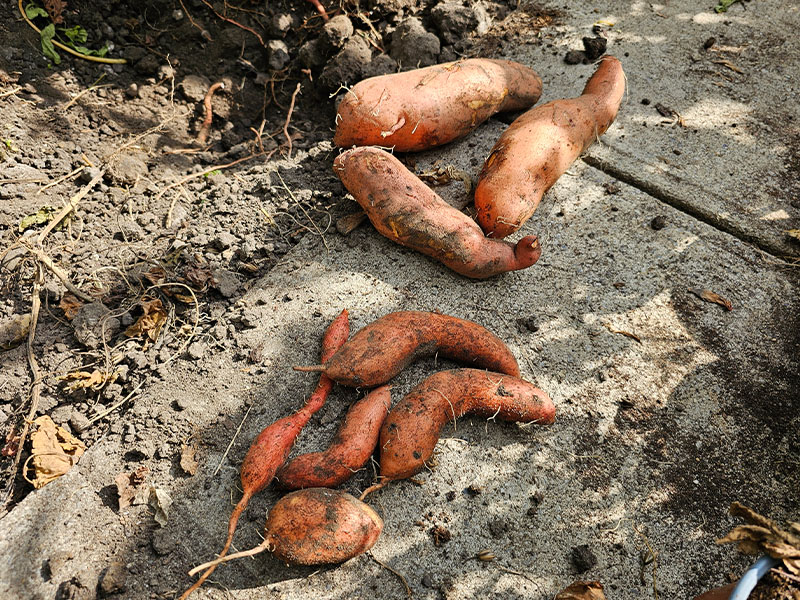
{"type": "Point", "coordinates": [655, 435]}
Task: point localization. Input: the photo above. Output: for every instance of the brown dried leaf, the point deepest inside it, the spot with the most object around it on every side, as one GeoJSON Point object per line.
{"type": "Point", "coordinates": [199, 278]}
{"type": "Point", "coordinates": [14, 331]}
{"type": "Point", "coordinates": [633, 336]}
{"type": "Point", "coordinates": [710, 296]}
{"type": "Point", "coordinates": [12, 443]}
{"type": "Point", "coordinates": [793, 565]}
{"type": "Point", "coordinates": [582, 590]}
{"type": "Point", "coordinates": [156, 275]}
{"type": "Point", "coordinates": [795, 233]}
{"type": "Point", "coordinates": [781, 550]}
{"type": "Point", "coordinates": [150, 323]}
{"type": "Point", "coordinates": [70, 305]}
{"type": "Point", "coordinates": [55, 8]}
{"type": "Point", "coordinates": [53, 451]}
{"type": "Point", "coordinates": [131, 487]}
{"type": "Point", "coordinates": [83, 380]}
{"type": "Point", "coordinates": [189, 463]}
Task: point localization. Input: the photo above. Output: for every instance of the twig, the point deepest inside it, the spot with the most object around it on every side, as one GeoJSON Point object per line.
{"type": "Point", "coordinates": [60, 179]}
{"type": "Point", "coordinates": [86, 91]}
{"type": "Point", "coordinates": [73, 202]}
{"type": "Point", "coordinates": [111, 409]}
{"type": "Point", "coordinates": [313, 223]}
{"type": "Point", "coordinates": [10, 92]}
{"type": "Point", "coordinates": [210, 170]}
{"type": "Point", "coordinates": [289, 118]}
{"type": "Point", "coordinates": [225, 454]}
{"type": "Point", "coordinates": [202, 136]}
{"type": "Point", "coordinates": [232, 22]}
{"type": "Point", "coordinates": [48, 262]}
{"type": "Point", "coordinates": [390, 569]}
{"type": "Point", "coordinates": [36, 382]}
{"type": "Point", "coordinates": [654, 556]}
{"type": "Point", "coordinates": [57, 44]}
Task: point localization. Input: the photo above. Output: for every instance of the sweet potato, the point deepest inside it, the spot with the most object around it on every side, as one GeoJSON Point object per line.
{"type": "Point", "coordinates": [538, 147]}
{"type": "Point", "coordinates": [422, 108]}
{"type": "Point", "coordinates": [315, 526]}
{"type": "Point", "coordinates": [411, 430]}
{"type": "Point", "coordinates": [386, 346]}
{"type": "Point", "coordinates": [271, 447]}
{"type": "Point", "coordinates": [404, 209]}
{"type": "Point", "coordinates": [350, 450]}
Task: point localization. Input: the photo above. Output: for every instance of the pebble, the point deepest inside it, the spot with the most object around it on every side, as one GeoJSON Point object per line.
{"type": "Point", "coordinates": [112, 580]}
{"type": "Point", "coordinates": [277, 54]}
{"type": "Point", "coordinates": [78, 421]}
{"type": "Point", "coordinates": [196, 350]}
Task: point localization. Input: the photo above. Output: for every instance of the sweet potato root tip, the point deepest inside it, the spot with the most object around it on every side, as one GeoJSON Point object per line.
{"type": "Point", "coordinates": [539, 146]}
{"type": "Point", "coordinates": [212, 564]}
{"type": "Point", "coordinates": [411, 430]}
{"type": "Point", "coordinates": [405, 210]}
{"type": "Point", "coordinates": [422, 108]}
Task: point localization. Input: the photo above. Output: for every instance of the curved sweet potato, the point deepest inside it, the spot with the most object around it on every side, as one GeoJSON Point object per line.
{"type": "Point", "coordinates": [379, 351]}
{"type": "Point", "coordinates": [350, 450]}
{"type": "Point", "coordinates": [404, 209]}
{"type": "Point", "coordinates": [411, 430]}
{"type": "Point", "coordinates": [316, 526]}
{"type": "Point", "coordinates": [427, 107]}
{"type": "Point", "coordinates": [538, 147]}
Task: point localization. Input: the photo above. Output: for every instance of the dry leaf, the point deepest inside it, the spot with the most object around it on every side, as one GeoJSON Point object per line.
{"type": "Point", "coordinates": [199, 278]}
{"type": "Point", "coordinates": [150, 323]}
{"type": "Point", "coordinates": [729, 64]}
{"type": "Point", "coordinates": [582, 590]}
{"type": "Point", "coordinates": [633, 336]}
{"type": "Point", "coordinates": [795, 233]}
{"type": "Point", "coordinates": [70, 305]}
{"type": "Point", "coordinates": [444, 175]}
{"type": "Point", "coordinates": [12, 443]}
{"type": "Point", "coordinates": [189, 463]}
{"type": "Point", "coordinates": [156, 275]}
{"type": "Point", "coordinates": [131, 488]}
{"type": "Point", "coordinates": [710, 296]}
{"type": "Point", "coordinates": [83, 380]}
{"type": "Point", "coordinates": [54, 451]}
{"type": "Point", "coordinates": [14, 331]}
{"type": "Point", "coordinates": [160, 501]}
{"type": "Point", "coordinates": [764, 536]}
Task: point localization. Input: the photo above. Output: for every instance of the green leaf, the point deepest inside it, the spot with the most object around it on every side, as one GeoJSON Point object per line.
{"type": "Point", "coordinates": [44, 215]}
{"type": "Point", "coordinates": [47, 44]}
{"type": "Point", "coordinates": [724, 5]}
{"type": "Point", "coordinates": [76, 35]}
{"type": "Point", "coordinates": [32, 11]}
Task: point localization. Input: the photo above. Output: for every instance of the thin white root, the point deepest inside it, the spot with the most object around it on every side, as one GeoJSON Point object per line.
{"type": "Point", "coordinates": [265, 545]}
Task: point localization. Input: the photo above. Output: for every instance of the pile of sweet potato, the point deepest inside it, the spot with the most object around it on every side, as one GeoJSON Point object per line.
{"type": "Point", "coordinates": [318, 525]}
{"type": "Point", "coordinates": [424, 108]}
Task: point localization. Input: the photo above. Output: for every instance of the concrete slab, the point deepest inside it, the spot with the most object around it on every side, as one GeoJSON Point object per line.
{"type": "Point", "coordinates": [657, 432]}
{"type": "Point", "coordinates": [734, 162]}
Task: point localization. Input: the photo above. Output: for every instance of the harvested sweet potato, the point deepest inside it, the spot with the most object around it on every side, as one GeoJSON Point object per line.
{"type": "Point", "coordinates": [411, 430]}
{"type": "Point", "coordinates": [272, 446]}
{"type": "Point", "coordinates": [423, 108]}
{"type": "Point", "coordinates": [315, 526]}
{"type": "Point", "coordinates": [386, 346]}
{"type": "Point", "coordinates": [350, 450]}
{"type": "Point", "coordinates": [539, 146]}
{"type": "Point", "coordinates": [404, 209]}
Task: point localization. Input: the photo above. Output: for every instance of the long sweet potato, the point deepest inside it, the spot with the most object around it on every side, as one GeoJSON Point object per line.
{"type": "Point", "coordinates": [427, 107]}
{"type": "Point", "coordinates": [271, 447]}
{"type": "Point", "coordinates": [539, 146]}
{"type": "Point", "coordinates": [350, 450]}
{"type": "Point", "coordinates": [404, 209]}
{"type": "Point", "coordinates": [411, 430]}
{"type": "Point", "coordinates": [316, 526]}
{"type": "Point", "coordinates": [379, 351]}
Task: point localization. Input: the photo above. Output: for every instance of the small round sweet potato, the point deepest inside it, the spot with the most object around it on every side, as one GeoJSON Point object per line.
{"type": "Point", "coordinates": [539, 146]}
{"type": "Point", "coordinates": [423, 108]}
{"type": "Point", "coordinates": [382, 349]}
{"type": "Point", "coordinates": [315, 526]}
{"type": "Point", "coordinates": [350, 450]}
{"type": "Point", "coordinates": [404, 209]}
{"type": "Point", "coordinates": [411, 430]}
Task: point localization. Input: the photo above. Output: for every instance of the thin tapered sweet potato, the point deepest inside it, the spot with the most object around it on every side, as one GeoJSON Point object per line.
{"type": "Point", "coordinates": [423, 108]}
{"type": "Point", "coordinates": [404, 209]}
{"type": "Point", "coordinates": [382, 349]}
{"type": "Point", "coordinates": [315, 526]}
{"type": "Point", "coordinates": [410, 432]}
{"type": "Point", "coordinates": [271, 447]}
{"type": "Point", "coordinates": [539, 146]}
{"type": "Point", "coordinates": [350, 450]}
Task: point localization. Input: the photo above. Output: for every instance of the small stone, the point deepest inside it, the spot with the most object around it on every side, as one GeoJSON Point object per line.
{"type": "Point", "coordinates": [574, 57]}
{"type": "Point", "coordinates": [132, 91]}
{"type": "Point", "coordinates": [658, 223]}
{"type": "Point", "coordinates": [582, 558]}
{"type": "Point", "coordinates": [196, 350]}
{"type": "Point", "coordinates": [182, 403]}
{"type": "Point", "coordinates": [226, 282]}
{"type": "Point", "coordinates": [78, 421]}
{"type": "Point", "coordinates": [162, 542]}
{"type": "Point", "coordinates": [88, 174]}
{"type": "Point", "coordinates": [92, 323]}
{"type": "Point", "coordinates": [709, 42]}
{"type": "Point", "coordinates": [594, 47]}
{"type": "Point", "coordinates": [335, 33]}
{"type": "Point", "coordinates": [194, 87]}
{"type": "Point", "coordinates": [277, 54]}
{"type": "Point", "coordinates": [165, 72]}
{"type": "Point", "coordinates": [281, 23]}
{"type": "Point", "coordinates": [427, 580]}
{"type": "Point", "coordinates": [112, 580]}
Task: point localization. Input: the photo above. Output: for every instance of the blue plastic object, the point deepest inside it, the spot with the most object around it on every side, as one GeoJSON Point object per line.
{"type": "Point", "coordinates": [751, 577]}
